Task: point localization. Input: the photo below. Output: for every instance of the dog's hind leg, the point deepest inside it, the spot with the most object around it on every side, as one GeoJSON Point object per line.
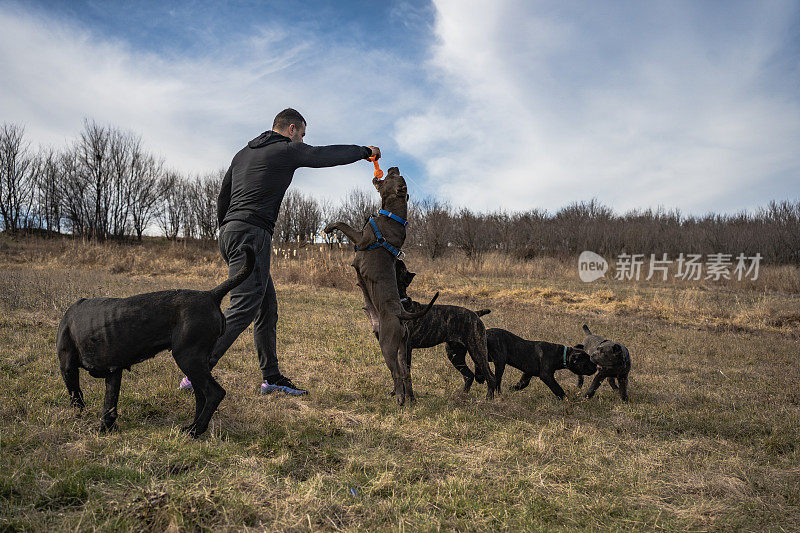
{"type": "Point", "coordinates": [613, 382]}
{"type": "Point", "coordinates": [69, 360]}
{"type": "Point", "coordinates": [214, 395]}
{"type": "Point", "coordinates": [113, 382]}
{"type": "Point", "coordinates": [457, 354]}
{"type": "Point", "coordinates": [391, 341]}
{"type": "Point", "coordinates": [478, 351]}
{"type": "Point", "coordinates": [193, 362]}
{"type": "Point", "coordinates": [199, 405]}
{"type": "Point", "coordinates": [403, 364]}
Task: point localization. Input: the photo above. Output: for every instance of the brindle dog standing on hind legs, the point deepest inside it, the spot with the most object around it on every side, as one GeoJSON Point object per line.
{"type": "Point", "coordinates": [377, 248]}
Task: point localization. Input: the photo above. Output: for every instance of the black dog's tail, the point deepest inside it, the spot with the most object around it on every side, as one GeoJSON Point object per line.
{"type": "Point", "coordinates": [226, 286]}
{"type": "Point", "coordinates": [586, 329]}
{"type": "Point", "coordinates": [482, 312]}
{"type": "Point", "coordinates": [413, 316]}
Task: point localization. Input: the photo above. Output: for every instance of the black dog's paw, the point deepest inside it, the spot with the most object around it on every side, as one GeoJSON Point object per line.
{"type": "Point", "coordinates": [106, 427]}
{"type": "Point", "coordinates": [193, 430]}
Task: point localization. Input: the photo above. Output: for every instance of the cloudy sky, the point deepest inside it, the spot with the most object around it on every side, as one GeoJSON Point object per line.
{"type": "Point", "coordinates": [490, 104]}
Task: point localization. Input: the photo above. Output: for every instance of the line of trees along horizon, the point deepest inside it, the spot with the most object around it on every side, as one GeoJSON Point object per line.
{"type": "Point", "coordinates": [105, 185]}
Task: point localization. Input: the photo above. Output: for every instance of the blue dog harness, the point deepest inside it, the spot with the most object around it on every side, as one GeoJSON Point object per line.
{"type": "Point", "coordinates": [393, 216]}
{"type": "Point", "coordinates": [380, 241]}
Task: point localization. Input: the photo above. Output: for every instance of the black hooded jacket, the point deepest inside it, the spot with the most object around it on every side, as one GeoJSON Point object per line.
{"type": "Point", "coordinates": [253, 187]}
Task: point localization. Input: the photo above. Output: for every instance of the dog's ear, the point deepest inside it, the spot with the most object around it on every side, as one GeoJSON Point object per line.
{"type": "Point", "coordinates": [411, 275]}
{"type": "Point", "coordinates": [616, 348]}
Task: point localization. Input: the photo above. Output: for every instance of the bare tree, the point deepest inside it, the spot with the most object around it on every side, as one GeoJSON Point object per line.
{"type": "Point", "coordinates": [432, 228]}
{"type": "Point", "coordinates": [47, 193]}
{"type": "Point", "coordinates": [15, 177]}
{"type": "Point", "coordinates": [94, 158]}
{"type": "Point", "coordinates": [357, 207]}
{"type": "Point", "coordinates": [72, 185]}
{"type": "Point", "coordinates": [147, 177]}
{"type": "Point", "coordinates": [173, 211]}
{"type": "Point", "coordinates": [328, 213]}
{"type": "Point", "coordinates": [203, 194]}
{"type": "Point", "coordinates": [299, 219]}
{"type": "Point", "coordinates": [473, 234]}
{"type": "Point", "coordinates": [125, 152]}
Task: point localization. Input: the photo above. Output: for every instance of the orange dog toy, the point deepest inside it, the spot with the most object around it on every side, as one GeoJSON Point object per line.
{"type": "Point", "coordinates": [378, 171]}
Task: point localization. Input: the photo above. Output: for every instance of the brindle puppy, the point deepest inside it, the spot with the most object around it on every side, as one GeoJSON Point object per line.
{"type": "Point", "coordinates": [613, 361]}
{"type": "Point", "coordinates": [535, 358]}
{"type": "Point", "coordinates": [376, 277]}
{"type": "Point", "coordinates": [449, 324]}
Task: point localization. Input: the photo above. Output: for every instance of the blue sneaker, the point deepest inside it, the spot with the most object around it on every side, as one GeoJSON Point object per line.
{"type": "Point", "coordinates": [281, 384]}
{"type": "Point", "coordinates": [186, 384]}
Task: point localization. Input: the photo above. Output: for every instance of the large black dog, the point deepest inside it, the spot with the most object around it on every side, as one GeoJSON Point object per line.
{"type": "Point", "coordinates": [106, 335]}
{"type": "Point", "coordinates": [613, 362]}
{"type": "Point", "coordinates": [533, 358]}
{"type": "Point", "coordinates": [447, 324]}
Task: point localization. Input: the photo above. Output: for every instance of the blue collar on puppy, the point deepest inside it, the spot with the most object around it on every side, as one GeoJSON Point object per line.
{"type": "Point", "coordinates": [565, 356]}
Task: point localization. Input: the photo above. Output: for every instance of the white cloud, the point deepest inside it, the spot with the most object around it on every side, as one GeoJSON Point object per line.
{"type": "Point", "coordinates": [520, 105]}
{"type": "Point", "coordinates": [654, 105]}
{"type": "Point", "coordinates": [198, 111]}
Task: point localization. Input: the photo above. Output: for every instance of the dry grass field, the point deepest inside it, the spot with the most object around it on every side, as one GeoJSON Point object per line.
{"type": "Point", "coordinates": [709, 440]}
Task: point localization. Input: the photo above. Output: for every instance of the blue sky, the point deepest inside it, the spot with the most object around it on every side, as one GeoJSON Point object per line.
{"type": "Point", "coordinates": [492, 105]}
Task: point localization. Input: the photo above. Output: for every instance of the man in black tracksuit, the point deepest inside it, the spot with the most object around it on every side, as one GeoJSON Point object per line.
{"type": "Point", "coordinates": [247, 208]}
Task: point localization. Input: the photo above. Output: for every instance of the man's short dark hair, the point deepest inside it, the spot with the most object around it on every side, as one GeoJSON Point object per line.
{"type": "Point", "coordinates": [286, 118]}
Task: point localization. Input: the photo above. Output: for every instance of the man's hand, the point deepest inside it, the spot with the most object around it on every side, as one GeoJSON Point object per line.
{"type": "Point", "coordinates": [376, 152]}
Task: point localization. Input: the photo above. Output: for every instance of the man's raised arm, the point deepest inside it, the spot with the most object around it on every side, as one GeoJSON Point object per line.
{"type": "Point", "coordinates": [329, 156]}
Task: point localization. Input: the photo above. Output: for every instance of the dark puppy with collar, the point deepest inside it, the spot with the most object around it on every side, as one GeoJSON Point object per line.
{"type": "Point", "coordinates": [535, 358]}
{"type": "Point", "coordinates": [613, 361]}
{"type": "Point", "coordinates": [449, 324]}
{"type": "Point", "coordinates": [106, 335]}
